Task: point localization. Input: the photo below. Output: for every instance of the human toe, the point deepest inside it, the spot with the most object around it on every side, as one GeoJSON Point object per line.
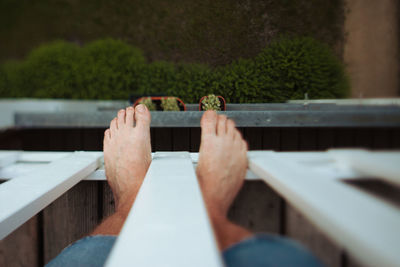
{"type": "Point", "coordinates": [130, 113]}
{"type": "Point", "coordinates": [107, 134]}
{"type": "Point", "coordinates": [142, 116]}
{"type": "Point", "coordinates": [208, 123]}
{"type": "Point", "coordinates": [113, 127]}
{"type": "Point", "coordinates": [121, 118]}
{"type": "Point", "coordinates": [231, 127]}
{"type": "Point", "coordinates": [221, 125]}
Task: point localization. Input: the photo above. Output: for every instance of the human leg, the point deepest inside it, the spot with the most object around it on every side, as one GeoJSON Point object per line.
{"type": "Point", "coordinates": [221, 172]}
{"type": "Point", "coordinates": [127, 157]}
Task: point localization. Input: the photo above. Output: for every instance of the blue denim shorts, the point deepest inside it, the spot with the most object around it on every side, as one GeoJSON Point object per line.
{"type": "Point", "coordinates": [256, 251]}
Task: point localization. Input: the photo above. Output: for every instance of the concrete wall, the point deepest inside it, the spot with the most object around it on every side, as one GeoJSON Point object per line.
{"type": "Point", "coordinates": [371, 50]}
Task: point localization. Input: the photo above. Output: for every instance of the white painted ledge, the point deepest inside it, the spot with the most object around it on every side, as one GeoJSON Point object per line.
{"type": "Point", "coordinates": [168, 224]}
{"type": "Point", "coordinates": [365, 226]}
{"type": "Point", "coordinates": [24, 196]}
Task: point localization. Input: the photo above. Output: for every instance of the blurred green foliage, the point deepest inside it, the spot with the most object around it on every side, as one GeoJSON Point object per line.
{"type": "Point", "coordinates": [287, 68]}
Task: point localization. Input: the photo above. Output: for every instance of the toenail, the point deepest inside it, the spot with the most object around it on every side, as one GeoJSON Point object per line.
{"type": "Point", "coordinates": [130, 108]}
{"type": "Point", "coordinates": [121, 111]}
{"type": "Point", "coordinates": [140, 108]}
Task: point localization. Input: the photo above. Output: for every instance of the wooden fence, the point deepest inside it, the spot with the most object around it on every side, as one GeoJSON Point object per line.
{"type": "Point", "coordinates": [257, 206]}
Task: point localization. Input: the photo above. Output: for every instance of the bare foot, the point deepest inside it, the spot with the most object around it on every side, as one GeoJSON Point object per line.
{"type": "Point", "coordinates": [127, 152]}
{"type": "Point", "coordinates": [222, 162]}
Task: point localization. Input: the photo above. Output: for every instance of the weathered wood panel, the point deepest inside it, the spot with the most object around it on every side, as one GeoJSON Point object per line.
{"type": "Point", "coordinates": [300, 229]}
{"type": "Point", "coordinates": [92, 139]}
{"type": "Point", "coordinates": [70, 217]}
{"type": "Point", "coordinates": [395, 139]}
{"type": "Point", "coordinates": [108, 203]}
{"type": "Point", "coordinates": [254, 138]}
{"type": "Point", "coordinates": [272, 139]}
{"type": "Point", "coordinates": [290, 139]}
{"type": "Point", "coordinates": [195, 134]}
{"type": "Point", "coordinates": [22, 247]}
{"type": "Point", "coordinates": [325, 138]}
{"type": "Point", "coordinates": [363, 137]}
{"type": "Point", "coordinates": [307, 139]}
{"type": "Point", "coordinates": [10, 140]}
{"type": "Point", "coordinates": [257, 208]}
{"type": "Point", "coordinates": [381, 138]}
{"type": "Point", "coordinates": [163, 139]}
{"type": "Point", "coordinates": [344, 137]}
{"type": "Point", "coordinates": [180, 139]}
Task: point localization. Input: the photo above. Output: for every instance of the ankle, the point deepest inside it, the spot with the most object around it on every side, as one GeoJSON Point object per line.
{"type": "Point", "coordinates": [125, 201]}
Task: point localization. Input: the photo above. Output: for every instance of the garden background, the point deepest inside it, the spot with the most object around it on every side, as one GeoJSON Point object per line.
{"type": "Point", "coordinates": [247, 51]}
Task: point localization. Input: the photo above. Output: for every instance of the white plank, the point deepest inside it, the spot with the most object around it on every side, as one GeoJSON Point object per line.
{"type": "Point", "coordinates": [42, 156]}
{"type": "Point", "coordinates": [8, 157]}
{"type": "Point", "coordinates": [383, 164]}
{"type": "Point", "coordinates": [29, 161]}
{"type": "Point", "coordinates": [168, 224]}
{"type": "Point", "coordinates": [364, 226]}
{"type": "Point", "coordinates": [23, 197]}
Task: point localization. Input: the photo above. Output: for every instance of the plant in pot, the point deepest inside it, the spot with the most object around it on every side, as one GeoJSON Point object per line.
{"type": "Point", "coordinates": [161, 103]}
{"type": "Point", "coordinates": [212, 102]}
{"type": "Point", "coordinates": [148, 103]}
{"type": "Point", "coordinates": [169, 104]}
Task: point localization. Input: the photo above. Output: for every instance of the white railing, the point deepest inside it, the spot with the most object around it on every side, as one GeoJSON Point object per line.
{"type": "Point", "coordinates": [170, 200]}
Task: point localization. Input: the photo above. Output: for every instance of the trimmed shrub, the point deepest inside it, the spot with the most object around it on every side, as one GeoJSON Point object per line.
{"type": "Point", "coordinates": [154, 78]}
{"type": "Point", "coordinates": [192, 82]}
{"type": "Point", "coordinates": [105, 70]}
{"type": "Point", "coordinates": [14, 81]}
{"type": "Point", "coordinates": [3, 82]}
{"type": "Point", "coordinates": [109, 69]}
{"type": "Point", "coordinates": [49, 71]}
{"type": "Point", "coordinates": [289, 68]}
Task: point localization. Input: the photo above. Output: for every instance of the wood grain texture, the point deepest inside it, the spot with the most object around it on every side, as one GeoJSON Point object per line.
{"type": "Point", "coordinates": [272, 139]}
{"type": "Point", "coordinates": [180, 139]}
{"type": "Point", "coordinates": [325, 138]}
{"type": "Point", "coordinates": [73, 139]}
{"type": "Point", "coordinates": [70, 217]}
{"type": "Point", "coordinates": [163, 139]}
{"type": "Point", "coordinates": [195, 134]}
{"type": "Point", "coordinates": [300, 229]}
{"type": "Point", "coordinates": [254, 138]}
{"type": "Point", "coordinates": [363, 137]}
{"type": "Point", "coordinates": [395, 138]}
{"type": "Point", "coordinates": [108, 202]}
{"type": "Point", "coordinates": [344, 137]}
{"type": "Point", "coordinates": [380, 138]}
{"type": "Point", "coordinates": [307, 139]}
{"type": "Point", "coordinates": [10, 140]}
{"type": "Point", "coordinates": [92, 139]}
{"type": "Point", "coordinates": [21, 248]}
{"type": "Point", "coordinates": [257, 208]}
{"type": "Point", "coordinates": [289, 139]}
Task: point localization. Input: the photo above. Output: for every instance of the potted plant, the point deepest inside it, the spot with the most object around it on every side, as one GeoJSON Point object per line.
{"type": "Point", "coordinates": [161, 103]}
{"type": "Point", "coordinates": [212, 102]}
{"type": "Point", "coordinates": [147, 102]}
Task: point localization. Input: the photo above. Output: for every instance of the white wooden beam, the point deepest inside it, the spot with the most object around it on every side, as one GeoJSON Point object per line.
{"type": "Point", "coordinates": [28, 161]}
{"type": "Point", "coordinates": [168, 225]}
{"type": "Point", "coordinates": [23, 197]}
{"type": "Point", "coordinates": [8, 157]}
{"type": "Point", "coordinates": [380, 164]}
{"type": "Point", "coordinates": [363, 225]}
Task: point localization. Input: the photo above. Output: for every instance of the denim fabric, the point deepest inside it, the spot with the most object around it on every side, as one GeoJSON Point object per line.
{"type": "Point", "coordinates": [268, 250]}
{"type": "Point", "coordinates": [259, 250]}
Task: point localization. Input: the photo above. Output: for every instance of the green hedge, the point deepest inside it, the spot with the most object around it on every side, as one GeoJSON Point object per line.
{"type": "Point", "coordinates": [110, 69]}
